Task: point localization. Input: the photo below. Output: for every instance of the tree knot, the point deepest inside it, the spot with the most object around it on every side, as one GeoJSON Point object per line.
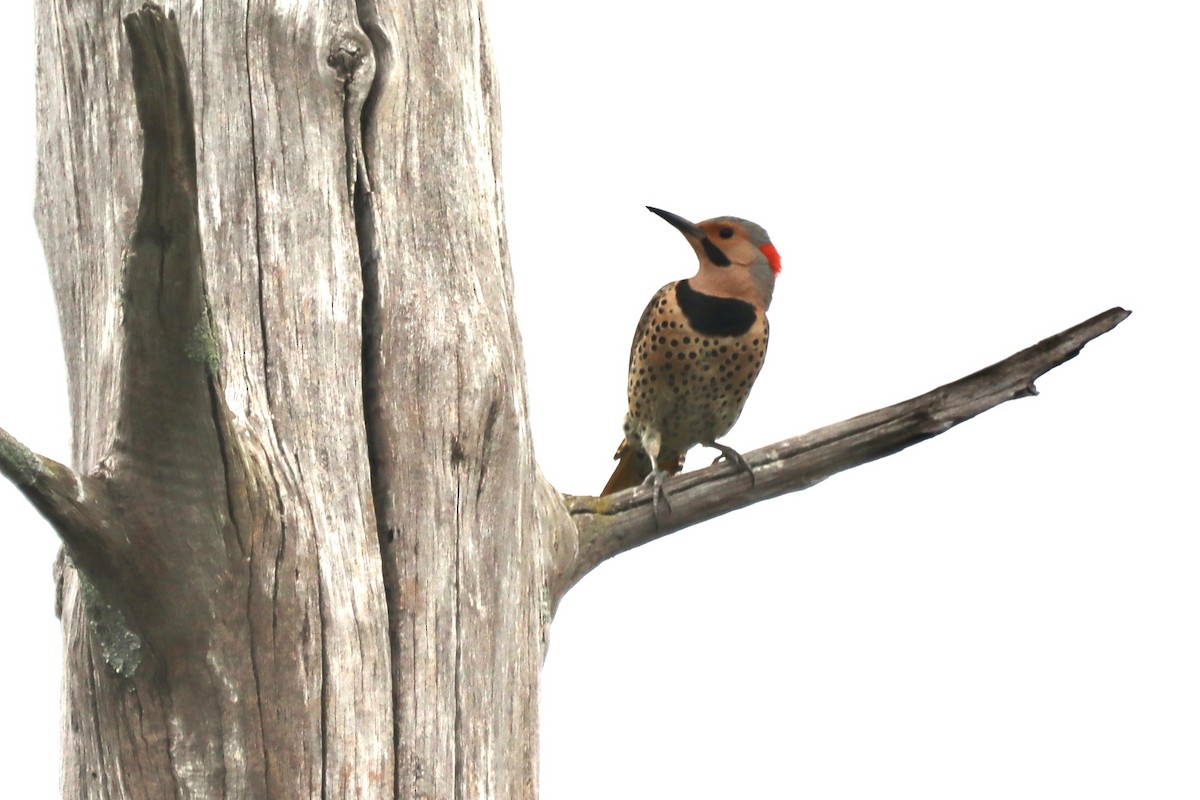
{"type": "Point", "coordinates": [349, 50]}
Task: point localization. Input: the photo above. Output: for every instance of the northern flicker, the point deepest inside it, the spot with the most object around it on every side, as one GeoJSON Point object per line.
{"type": "Point", "coordinates": [696, 352]}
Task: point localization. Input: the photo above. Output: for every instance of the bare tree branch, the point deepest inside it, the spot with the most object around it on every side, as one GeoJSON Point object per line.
{"type": "Point", "coordinates": [611, 525]}
{"type": "Point", "coordinates": [76, 506]}
{"type": "Point", "coordinates": [81, 511]}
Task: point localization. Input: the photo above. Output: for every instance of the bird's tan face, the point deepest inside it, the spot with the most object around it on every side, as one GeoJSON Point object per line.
{"type": "Point", "coordinates": [736, 256]}
{"type": "Point", "coordinates": [750, 273]}
{"type": "Point", "coordinates": [733, 240]}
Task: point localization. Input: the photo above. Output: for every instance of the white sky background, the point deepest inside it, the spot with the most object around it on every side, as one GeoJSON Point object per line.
{"type": "Point", "coordinates": [1011, 609]}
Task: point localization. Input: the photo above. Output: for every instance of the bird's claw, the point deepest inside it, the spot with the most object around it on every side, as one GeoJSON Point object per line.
{"type": "Point", "coordinates": [733, 456]}
{"type": "Point", "coordinates": [655, 480]}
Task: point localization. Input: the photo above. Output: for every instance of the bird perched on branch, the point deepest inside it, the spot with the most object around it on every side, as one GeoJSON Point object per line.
{"type": "Point", "coordinates": [696, 352]}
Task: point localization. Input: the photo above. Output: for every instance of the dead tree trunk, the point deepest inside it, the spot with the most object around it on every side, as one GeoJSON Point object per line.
{"type": "Point", "coordinates": [308, 552]}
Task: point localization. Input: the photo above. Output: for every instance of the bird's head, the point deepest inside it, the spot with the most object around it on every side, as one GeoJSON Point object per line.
{"type": "Point", "coordinates": [736, 257]}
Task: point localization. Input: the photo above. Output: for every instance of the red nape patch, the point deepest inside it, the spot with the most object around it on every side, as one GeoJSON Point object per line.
{"type": "Point", "coordinates": [772, 255]}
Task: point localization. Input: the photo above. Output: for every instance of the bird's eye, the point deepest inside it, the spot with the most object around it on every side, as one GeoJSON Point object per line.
{"type": "Point", "coordinates": [725, 233]}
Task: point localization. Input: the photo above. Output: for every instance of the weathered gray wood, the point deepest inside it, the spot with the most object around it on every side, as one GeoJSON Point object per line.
{"type": "Point", "coordinates": [285, 196]}
{"type": "Point", "coordinates": [293, 677]}
{"type": "Point", "coordinates": [611, 525]}
{"type": "Point", "coordinates": [285, 289]}
{"type": "Point", "coordinates": [456, 491]}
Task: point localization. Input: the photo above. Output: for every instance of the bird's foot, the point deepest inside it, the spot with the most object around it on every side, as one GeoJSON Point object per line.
{"type": "Point", "coordinates": [732, 456]}
{"type": "Point", "coordinates": [655, 479]}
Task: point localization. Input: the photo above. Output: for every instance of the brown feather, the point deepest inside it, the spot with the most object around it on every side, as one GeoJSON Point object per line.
{"type": "Point", "coordinates": [631, 470]}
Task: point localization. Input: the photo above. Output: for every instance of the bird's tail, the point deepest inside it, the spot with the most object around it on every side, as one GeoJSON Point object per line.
{"type": "Point", "coordinates": [633, 467]}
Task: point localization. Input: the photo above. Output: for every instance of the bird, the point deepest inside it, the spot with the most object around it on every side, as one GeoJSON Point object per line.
{"type": "Point", "coordinates": [696, 353]}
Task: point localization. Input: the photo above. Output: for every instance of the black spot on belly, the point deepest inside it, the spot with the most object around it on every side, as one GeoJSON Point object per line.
{"type": "Point", "coordinates": [714, 316]}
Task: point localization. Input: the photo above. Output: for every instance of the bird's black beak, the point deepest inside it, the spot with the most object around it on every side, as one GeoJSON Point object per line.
{"type": "Point", "coordinates": [688, 229]}
{"type": "Point", "coordinates": [696, 235]}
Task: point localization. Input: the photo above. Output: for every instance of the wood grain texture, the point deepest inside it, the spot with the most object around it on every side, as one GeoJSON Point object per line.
{"type": "Point", "coordinates": [611, 525]}
{"type": "Point", "coordinates": [292, 672]}
{"type": "Point", "coordinates": [344, 461]}
{"type": "Point", "coordinates": [464, 516]}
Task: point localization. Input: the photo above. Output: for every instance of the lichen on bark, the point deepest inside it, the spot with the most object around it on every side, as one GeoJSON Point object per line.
{"type": "Point", "coordinates": [120, 645]}
{"type": "Point", "coordinates": [19, 461]}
